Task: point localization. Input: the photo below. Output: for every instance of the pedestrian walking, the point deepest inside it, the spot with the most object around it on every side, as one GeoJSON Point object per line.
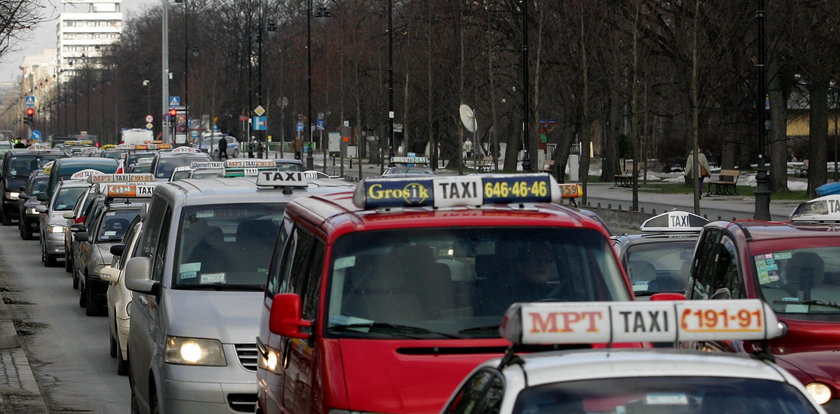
{"type": "Point", "coordinates": [223, 148]}
{"type": "Point", "coordinates": [703, 171]}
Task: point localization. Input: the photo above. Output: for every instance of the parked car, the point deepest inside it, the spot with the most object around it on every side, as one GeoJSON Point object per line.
{"type": "Point", "coordinates": [17, 166]}
{"type": "Point", "coordinates": [27, 203]}
{"type": "Point", "coordinates": [51, 221]}
{"type": "Point", "coordinates": [211, 146]}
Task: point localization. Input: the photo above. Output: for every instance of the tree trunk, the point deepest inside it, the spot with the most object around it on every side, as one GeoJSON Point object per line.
{"type": "Point", "coordinates": [585, 138]}
{"type": "Point", "coordinates": [778, 133]}
{"type": "Point", "coordinates": [818, 92]}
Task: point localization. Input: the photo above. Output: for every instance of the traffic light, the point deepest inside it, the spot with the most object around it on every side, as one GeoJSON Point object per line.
{"type": "Point", "coordinates": [172, 113]}
{"type": "Point", "coordinates": [27, 119]}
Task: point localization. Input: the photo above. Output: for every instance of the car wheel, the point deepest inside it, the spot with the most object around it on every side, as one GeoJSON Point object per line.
{"type": "Point", "coordinates": [82, 301]}
{"type": "Point", "coordinates": [68, 263]}
{"type": "Point", "coordinates": [122, 364]}
{"type": "Point", "coordinates": [90, 304]}
{"type": "Point", "coordinates": [236, 153]}
{"type": "Point", "coordinates": [113, 345]}
{"type": "Point", "coordinates": [153, 401]}
{"type": "Point", "coordinates": [75, 279]}
{"type": "Point", "coordinates": [5, 217]}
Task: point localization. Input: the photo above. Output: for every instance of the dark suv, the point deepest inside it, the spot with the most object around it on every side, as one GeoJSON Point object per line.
{"type": "Point", "coordinates": [17, 165]}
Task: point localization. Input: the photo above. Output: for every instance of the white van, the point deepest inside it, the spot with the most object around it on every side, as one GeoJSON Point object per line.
{"type": "Point", "coordinates": [136, 136]}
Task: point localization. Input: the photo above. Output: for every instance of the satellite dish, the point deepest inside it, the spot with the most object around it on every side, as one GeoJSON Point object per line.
{"type": "Point", "coordinates": [468, 118]}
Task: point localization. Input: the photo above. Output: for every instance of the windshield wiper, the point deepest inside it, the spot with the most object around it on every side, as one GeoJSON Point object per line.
{"type": "Point", "coordinates": [813, 302]}
{"type": "Point", "coordinates": [492, 328]}
{"type": "Point", "coordinates": [390, 328]}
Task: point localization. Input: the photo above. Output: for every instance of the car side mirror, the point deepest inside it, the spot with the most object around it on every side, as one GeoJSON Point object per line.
{"type": "Point", "coordinates": [42, 197]}
{"type": "Point", "coordinates": [77, 227]}
{"type": "Point", "coordinates": [285, 318]}
{"type": "Point", "coordinates": [117, 249]}
{"type": "Point", "coordinates": [41, 208]}
{"type": "Point", "coordinates": [138, 276]}
{"type": "Point", "coordinates": [68, 215]}
{"type": "Point", "coordinates": [81, 236]}
{"type": "Point", "coordinates": [110, 274]}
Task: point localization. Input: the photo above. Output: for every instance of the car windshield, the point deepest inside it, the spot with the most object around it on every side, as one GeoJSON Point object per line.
{"type": "Point", "coordinates": [165, 166]}
{"type": "Point", "coordinates": [115, 223]}
{"type": "Point", "coordinates": [141, 167]}
{"type": "Point", "coordinates": [288, 166]}
{"type": "Point", "coordinates": [689, 395]}
{"type": "Point", "coordinates": [116, 155]}
{"type": "Point", "coordinates": [39, 185]}
{"type": "Point", "coordinates": [458, 282]}
{"type": "Point", "coordinates": [67, 198]}
{"type": "Point", "coordinates": [180, 175]}
{"type": "Point", "coordinates": [659, 267]}
{"type": "Point", "coordinates": [403, 171]}
{"type": "Point", "coordinates": [207, 174]}
{"type": "Point", "coordinates": [801, 281]}
{"type": "Point", "coordinates": [226, 246]}
{"type": "Point", "coordinates": [133, 158]}
{"type": "Point", "coordinates": [23, 165]}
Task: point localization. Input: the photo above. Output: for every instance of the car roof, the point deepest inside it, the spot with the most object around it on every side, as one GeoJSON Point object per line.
{"type": "Point", "coordinates": [86, 161]}
{"type": "Point", "coordinates": [73, 183]}
{"type": "Point", "coordinates": [549, 367]}
{"type": "Point", "coordinates": [15, 152]}
{"type": "Point", "coordinates": [170, 154]}
{"type": "Point", "coordinates": [338, 210]}
{"type": "Point", "coordinates": [755, 230]}
{"type": "Point", "coordinates": [228, 190]}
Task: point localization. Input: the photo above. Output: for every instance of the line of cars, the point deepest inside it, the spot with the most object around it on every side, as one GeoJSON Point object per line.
{"type": "Point", "coordinates": [384, 297]}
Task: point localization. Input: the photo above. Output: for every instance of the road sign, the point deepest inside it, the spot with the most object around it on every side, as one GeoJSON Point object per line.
{"type": "Point", "coordinates": [174, 101]}
{"type": "Point", "coordinates": [259, 110]}
{"type": "Point", "coordinates": [36, 135]}
{"type": "Point", "coordinates": [299, 126]}
{"type": "Point", "coordinates": [320, 124]}
{"type": "Point", "coordinates": [259, 123]}
{"type": "Point", "coordinates": [149, 118]}
{"type": "Point", "coordinates": [243, 118]}
{"type": "Point", "coordinates": [149, 126]}
{"type": "Point", "coordinates": [30, 100]}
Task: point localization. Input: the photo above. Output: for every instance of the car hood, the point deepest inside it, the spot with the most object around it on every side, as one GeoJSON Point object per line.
{"type": "Point", "coordinates": [406, 376]}
{"type": "Point", "coordinates": [810, 366]}
{"type": "Point", "coordinates": [57, 218]}
{"type": "Point", "coordinates": [233, 317]}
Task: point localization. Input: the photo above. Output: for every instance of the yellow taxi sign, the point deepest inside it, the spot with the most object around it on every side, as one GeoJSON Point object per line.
{"type": "Point", "coordinates": [654, 321]}
{"type": "Point", "coordinates": [84, 174]}
{"type": "Point", "coordinates": [447, 191]}
{"type": "Point", "coordinates": [215, 165]}
{"type": "Point", "coordinates": [182, 150]}
{"type": "Point", "coordinates": [248, 163]}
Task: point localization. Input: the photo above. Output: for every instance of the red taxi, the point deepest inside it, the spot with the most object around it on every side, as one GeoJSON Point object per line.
{"type": "Point", "coordinates": [383, 299]}
{"type": "Point", "coordinates": [795, 267]}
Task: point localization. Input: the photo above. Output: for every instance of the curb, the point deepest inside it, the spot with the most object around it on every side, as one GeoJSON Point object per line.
{"type": "Point", "coordinates": [19, 392]}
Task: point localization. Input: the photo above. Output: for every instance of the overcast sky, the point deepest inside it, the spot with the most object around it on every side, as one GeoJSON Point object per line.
{"type": "Point", "coordinates": [44, 37]}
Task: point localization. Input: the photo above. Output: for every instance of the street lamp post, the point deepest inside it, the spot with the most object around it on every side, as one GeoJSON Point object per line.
{"type": "Point", "coordinates": [391, 83]}
{"type": "Point", "coordinates": [762, 191]}
{"type": "Point", "coordinates": [310, 161]}
{"type": "Point", "coordinates": [148, 97]}
{"type": "Point", "coordinates": [526, 141]}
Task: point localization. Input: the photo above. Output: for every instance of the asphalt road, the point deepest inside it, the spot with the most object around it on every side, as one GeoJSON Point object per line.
{"type": "Point", "coordinates": [68, 351]}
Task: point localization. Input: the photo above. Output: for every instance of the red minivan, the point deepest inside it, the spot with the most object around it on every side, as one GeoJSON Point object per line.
{"type": "Point", "coordinates": [381, 300]}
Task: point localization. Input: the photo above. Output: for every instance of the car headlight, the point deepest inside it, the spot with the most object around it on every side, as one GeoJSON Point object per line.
{"type": "Point", "coordinates": [819, 392]}
{"type": "Point", "coordinates": [194, 351]}
{"type": "Point", "coordinates": [32, 211]}
{"type": "Point", "coordinates": [12, 195]}
{"type": "Point", "coordinates": [270, 360]}
{"type": "Point", "coordinates": [55, 229]}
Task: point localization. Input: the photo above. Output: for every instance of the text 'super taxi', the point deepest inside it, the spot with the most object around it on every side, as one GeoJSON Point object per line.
{"type": "Point", "coordinates": [632, 380]}
{"type": "Point", "coordinates": [383, 299]}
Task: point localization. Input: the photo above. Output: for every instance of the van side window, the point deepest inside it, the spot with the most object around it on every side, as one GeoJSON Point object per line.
{"type": "Point", "coordinates": [284, 263]}
{"type": "Point", "coordinates": [304, 275]}
{"type": "Point", "coordinates": [704, 260]}
{"type": "Point", "coordinates": [154, 220]}
{"type": "Point", "coordinates": [273, 283]}
{"type": "Point", "coordinates": [160, 256]}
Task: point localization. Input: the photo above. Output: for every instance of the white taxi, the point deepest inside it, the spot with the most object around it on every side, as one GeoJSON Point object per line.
{"type": "Point", "coordinates": [633, 380]}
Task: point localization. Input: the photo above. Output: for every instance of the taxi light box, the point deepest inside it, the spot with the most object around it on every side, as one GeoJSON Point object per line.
{"type": "Point", "coordinates": [129, 190]}
{"type": "Point", "coordinates": [84, 174]}
{"type": "Point", "coordinates": [121, 178]}
{"type": "Point", "coordinates": [660, 321]}
{"type": "Point", "coordinates": [460, 191]}
{"type": "Point", "coordinates": [281, 179]}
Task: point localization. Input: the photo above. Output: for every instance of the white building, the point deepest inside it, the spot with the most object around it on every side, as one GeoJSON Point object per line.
{"type": "Point", "coordinates": [85, 29]}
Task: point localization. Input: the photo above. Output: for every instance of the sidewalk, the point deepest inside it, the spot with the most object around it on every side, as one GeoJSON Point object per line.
{"type": "Point", "coordinates": [19, 392]}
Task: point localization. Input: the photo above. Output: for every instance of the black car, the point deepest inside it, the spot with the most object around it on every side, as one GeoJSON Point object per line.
{"type": "Point", "coordinates": [17, 165]}
{"type": "Point", "coordinates": [28, 199]}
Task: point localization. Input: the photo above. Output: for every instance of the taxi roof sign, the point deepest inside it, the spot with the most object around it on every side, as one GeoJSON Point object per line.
{"type": "Point", "coordinates": [825, 208]}
{"type": "Point", "coordinates": [121, 178]}
{"type": "Point", "coordinates": [675, 221]}
{"type": "Point", "coordinates": [472, 190]}
{"type": "Point", "coordinates": [409, 160]}
{"type": "Point", "coordinates": [129, 190]}
{"type": "Point", "coordinates": [654, 321]}
{"type": "Point", "coordinates": [249, 163]}
{"type": "Point", "coordinates": [84, 174]}
{"type": "Point", "coordinates": [181, 150]}
{"type": "Point", "coordinates": [281, 179]}
{"type": "Point", "coordinates": [215, 165]}
{"type": "Point", "coordinates": [38, 147]}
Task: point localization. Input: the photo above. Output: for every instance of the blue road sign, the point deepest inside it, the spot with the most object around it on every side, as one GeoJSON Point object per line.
{"type": "Point", "coordinates": [174, 101]}
{"type": "Point", "coordinates": [299, 127]}
{"type": "Point", "coordinates": [36, 135]}
{"type": "Point", "coordinates": [259, 123]}
{"type": "Point", "coordinates": [320, 125]}
{"type": "Point", "coordinates": [30, 100]}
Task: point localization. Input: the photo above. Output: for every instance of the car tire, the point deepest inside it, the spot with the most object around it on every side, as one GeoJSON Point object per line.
{"type": "Point", "coordinates": [90, 304]}
{"type": "Point", "coordinates": [122, 364]}
{"type": "Point", "coordinates": [75, 279]}
{"type": "Point", "coordinates": [51, 261]}
{"type": "Point", "coordinates": [113, 345]}
{"type": "Point", "coordinates": [236, 153]}
{"type": "Point", "coordinates": [82, 301]}
{"type": "Point", "coordinates": [4, 218]}
{"type": "Point", "coordinates": [68, 262]}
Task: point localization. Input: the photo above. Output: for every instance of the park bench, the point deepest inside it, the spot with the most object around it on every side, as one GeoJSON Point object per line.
{"type": "Point", "coordinates": [624, 180]}
{"type": "Point", "coordinates": [547, 166]}
{"type": "Point", "coordinates": [724, 184]}
{"type": "Point", "coordinates": [484, 165]}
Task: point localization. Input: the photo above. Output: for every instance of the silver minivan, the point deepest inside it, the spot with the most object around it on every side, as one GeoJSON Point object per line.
{"type": "Point", "coordinates": [197, 280]}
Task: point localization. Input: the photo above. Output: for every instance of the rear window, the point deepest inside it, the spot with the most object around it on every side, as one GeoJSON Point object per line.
{"type": "Point", "coordinates": [458, 282]}
{"type": "Point", "coordinates": [115, 224]}
{"type": "Point", "coordinates": [165, 166]}
{"type": "Point", "coordinates": [67, 198]}
{"type": "Point", "coordinates": [23, 165]}
{"type": "Point", "coordinates": [105, 167]}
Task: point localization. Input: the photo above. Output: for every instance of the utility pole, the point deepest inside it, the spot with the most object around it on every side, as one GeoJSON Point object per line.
{"type": "Point", "coordinates": [310, 161]}
{"type": "Point", "coordinates": [526, 108]}
{"type": "Point", "coordinates": [391, 83]}
{"type": "Point", "coordinates": [164, 68]}
{"type": "Point", "coordinates": [762, 191]}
